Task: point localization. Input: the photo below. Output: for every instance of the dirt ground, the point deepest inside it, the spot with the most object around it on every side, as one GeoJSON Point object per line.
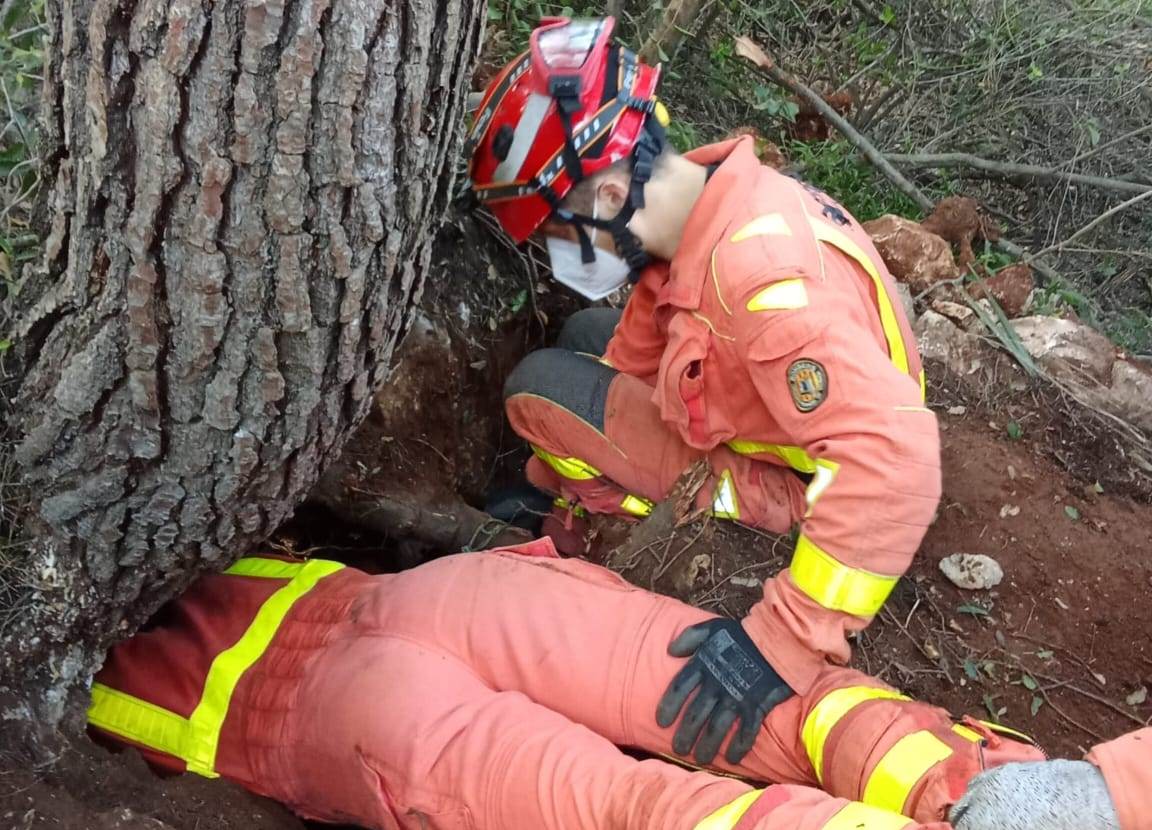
{"type": "Point", "coordinates": [89, 789]}
{"type": "Point", "coordinates": [1059, 649]}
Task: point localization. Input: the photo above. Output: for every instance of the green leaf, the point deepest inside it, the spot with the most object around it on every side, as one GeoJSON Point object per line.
{"type": "Point", "coordinates": [1044, 654]}
{"type": "Point", "coordinates": [5, 345]}
{"type": "Point", "coordinates": [1035, 73]}
{"type": "Point", "coordinates": [888, 14]}
{"type": "Point", "coordinates": [1015, 431]}
{"type": "Point", "coordinates": [1037, 702]}
{"type": "Point", "coordinates": [518, 301]}
{"type": "Point", "coordinates": [971, 669]}
{"type": "Point", "coordinates": [974, 610]}
{"type": "Point", "coordinates": [1029, 683]}
{"type": "Point", "coordinates": [1071, 512]}
{"type": "Point", "coordinates": [1096, 488]}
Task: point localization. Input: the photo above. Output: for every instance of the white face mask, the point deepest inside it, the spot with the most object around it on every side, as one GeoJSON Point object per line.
{"type": "Point", "coordinates": [594, 280]}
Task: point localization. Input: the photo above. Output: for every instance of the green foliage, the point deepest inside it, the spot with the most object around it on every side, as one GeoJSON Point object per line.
{"type": "Point", "coordinates": [683, 135]}
{"type": "Point", "coordinates": [21, 57]}
{"type": "Point", "coordinates": [833, 166]}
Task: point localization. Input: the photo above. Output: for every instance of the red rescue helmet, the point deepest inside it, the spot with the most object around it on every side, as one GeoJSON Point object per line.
{"type": "Point", "coordinates": [570, 106]}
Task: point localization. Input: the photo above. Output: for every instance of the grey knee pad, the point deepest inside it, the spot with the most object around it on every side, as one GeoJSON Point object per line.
{"type": "Point", "coordinates": [589, 331]}
{"type": "Point", "coordinates": [572, 381]}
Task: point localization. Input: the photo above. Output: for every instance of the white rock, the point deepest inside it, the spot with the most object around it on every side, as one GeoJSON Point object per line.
{"type": "Point", "coordinates": [972, 571]}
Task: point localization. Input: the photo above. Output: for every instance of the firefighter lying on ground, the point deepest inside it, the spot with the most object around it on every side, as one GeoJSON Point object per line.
{"type": "Point", "coordinates": [763, 333]}
{"type": "Point", "coordinates": [491, 690]}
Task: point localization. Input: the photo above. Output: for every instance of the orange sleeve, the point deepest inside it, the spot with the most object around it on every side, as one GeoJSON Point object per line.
{"type": "Point", "coordinates": [1127, 766]}
{"type": "Point", "coordinates": [873, 449]}
{"type": "Point", "coordinates": [638, 343]}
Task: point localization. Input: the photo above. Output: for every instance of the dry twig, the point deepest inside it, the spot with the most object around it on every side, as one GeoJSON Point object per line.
{"type": "Point", "coordinates": [747, 48]}
{"type": "Point", "coordinates": [1095, 223]}
{"type": "Point", "coordinates": [1028, 171]}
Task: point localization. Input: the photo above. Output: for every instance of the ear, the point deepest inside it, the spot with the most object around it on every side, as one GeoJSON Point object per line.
{"type": "Point", "coordinates": [613, 191]}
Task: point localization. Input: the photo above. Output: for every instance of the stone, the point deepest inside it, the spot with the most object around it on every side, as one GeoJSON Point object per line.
{"type": "Point", "coordinates": [1011, 287]}
{"type": "Point", "coordinates": [913, 255]}
{"type": "Point", "coordinates": [940, 339]}
{"type": "Point", "coordinates": [1069, 350]}
{"type": "Point", "coordinates": [972, 571]}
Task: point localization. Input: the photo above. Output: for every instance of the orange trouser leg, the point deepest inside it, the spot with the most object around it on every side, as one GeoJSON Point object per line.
{"type": "Point", "coordinates": [579, 640]}
{"type": "Point", "coordinates": [423, 742]}
{"type": "Point", "coordinates": [427, 744]}
{"type": "Point", "coordinates": [602, 440]}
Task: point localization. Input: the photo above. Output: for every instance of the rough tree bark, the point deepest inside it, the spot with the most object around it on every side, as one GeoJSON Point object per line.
{"type": "Point", "coordinates": [239, 205]}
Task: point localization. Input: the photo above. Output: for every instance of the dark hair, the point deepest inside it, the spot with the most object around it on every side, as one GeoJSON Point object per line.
{"type": "Point", "coordinates": [580, 198]}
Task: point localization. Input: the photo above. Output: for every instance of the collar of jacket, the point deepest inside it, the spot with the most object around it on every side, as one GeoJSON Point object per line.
{"type": "Point", "coordinates": [681, 283]}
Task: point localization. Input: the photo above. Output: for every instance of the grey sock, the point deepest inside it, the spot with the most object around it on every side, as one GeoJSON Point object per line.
{"type": "Point", "coordinates": [1045, 795]}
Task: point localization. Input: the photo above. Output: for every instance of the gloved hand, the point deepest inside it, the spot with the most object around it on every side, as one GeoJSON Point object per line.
{"type": "Point", "coordinates": [1042, 795]}
{"type": "Point", "coordinates": [735, 683]}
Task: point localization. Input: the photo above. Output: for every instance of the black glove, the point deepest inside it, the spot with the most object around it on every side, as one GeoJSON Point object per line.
{"type": "Point", "coordinates": [735, 682]}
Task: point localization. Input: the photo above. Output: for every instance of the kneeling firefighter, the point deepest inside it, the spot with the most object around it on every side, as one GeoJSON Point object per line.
{"type": "Point", "coordinates": [762, 333]}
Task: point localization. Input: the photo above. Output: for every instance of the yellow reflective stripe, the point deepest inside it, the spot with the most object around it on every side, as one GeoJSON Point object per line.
{"type": "Point", "coordinates": [265, 568]}
{"type": "Point", "coordinates": [794, 457]}
{"type": "Point", "coordinates": [564, 504]}
{"type": "Point", "coordinates": [725, 505]}
{"type": "Point", "coordinates": [829, 712]}
{"type": "Point", "coordinates": [1008, 731]}
{"type": "Point", "coordinates": [572, 468]}
{"type": "Point", "coordinates": [888, 319]}
{"type": "Point", "coordinates": [901, 769]}
{"type": "Point", "coordinates": [837, 586]}
{"type": "Point", "coordinates": [139, 721]}
{"type": "Point", "coordinates": [923, 386]}
{"type": "Point", "coordinates": [770, 224]}
{"type": "Point", "coordinates": [229, 666]}
{"type": "Point", "coordinates": [857, 816]}
{"type": "Point", "coordinates": [967, 734]}
{"type": "Point", "coordinates": [727, 816]}
{"type": "Point", "coordinates": [195, 739]}
{"type": "Point", "coordinates": [785, 294]}
{"type": "Point", "coordinates": [636, 505]}
{"type": "Point", "coordinates": [821, 480]}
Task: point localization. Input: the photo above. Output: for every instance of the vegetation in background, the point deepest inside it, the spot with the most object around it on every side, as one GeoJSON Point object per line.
{"type": "Point", "coordinates": [1058, 83]}
{"type": "Point", "coordinates": [21, 56]}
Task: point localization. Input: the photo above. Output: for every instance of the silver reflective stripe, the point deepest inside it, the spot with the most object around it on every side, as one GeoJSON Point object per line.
{"type": "Point", "coordinates": [524, 137]}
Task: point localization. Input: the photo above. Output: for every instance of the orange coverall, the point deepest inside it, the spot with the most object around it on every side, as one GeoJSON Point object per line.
{"type": "Point", "coordinates": [1127, 766]}
{"type": "Point", "coordinates": [491, 691]}
{"type": "Point", "coordinates": [774, 343]}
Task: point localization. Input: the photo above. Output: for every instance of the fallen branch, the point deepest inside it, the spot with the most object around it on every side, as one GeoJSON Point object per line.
{"type": "Point", "coordinates": [1095, 223]}
{"type": "Point", "coordinates": [1008, 170]}
{"type": "Point", "coordinates": [665, 517]}
{"type": "Point", "coordinates": [449, 527]}
{"type": "Point", "coordinates": [1100, 148]}
{"type": "Point", "coordinates": [747, 48]}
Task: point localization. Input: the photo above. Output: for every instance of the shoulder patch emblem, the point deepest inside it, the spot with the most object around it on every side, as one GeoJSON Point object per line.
{"type": "Point", "coordinates": [808, 383]}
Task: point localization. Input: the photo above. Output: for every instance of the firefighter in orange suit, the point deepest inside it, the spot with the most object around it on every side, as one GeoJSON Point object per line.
{"type": "Point", "coordinates": [763, 334]}
{"type": "Point", "coordinates": [491, 691]}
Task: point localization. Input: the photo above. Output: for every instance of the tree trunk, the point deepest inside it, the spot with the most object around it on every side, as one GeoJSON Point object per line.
{"type": "Point", "coordinates": [240, 197]}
